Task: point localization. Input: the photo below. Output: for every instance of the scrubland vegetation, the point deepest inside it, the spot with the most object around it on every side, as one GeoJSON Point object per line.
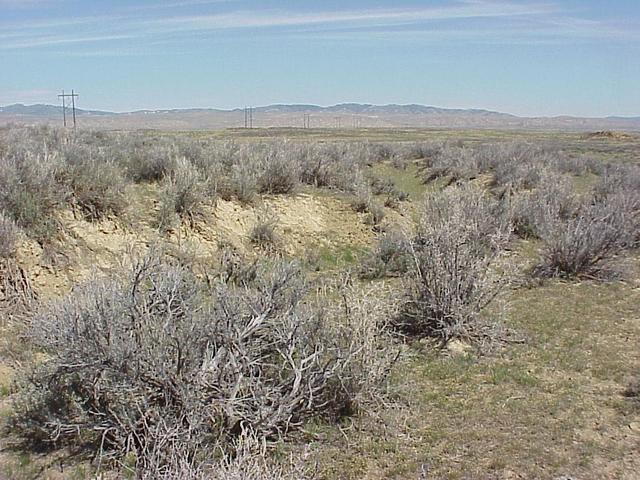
{"type": "Point", "coordinates": [166, 364]}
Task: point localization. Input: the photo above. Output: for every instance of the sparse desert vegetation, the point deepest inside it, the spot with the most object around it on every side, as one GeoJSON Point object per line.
{"type": "Point", "coordinates": [384, 304]}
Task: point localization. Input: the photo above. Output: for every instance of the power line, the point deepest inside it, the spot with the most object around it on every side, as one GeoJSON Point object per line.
{"type": "Point", "coordinates": [73, 95]}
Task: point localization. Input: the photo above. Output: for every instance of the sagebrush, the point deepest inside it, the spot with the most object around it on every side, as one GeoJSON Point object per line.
{"type": "Point", "coordinates": [156, 360]}
{"type": "Point", "coordinates": [454, 260]}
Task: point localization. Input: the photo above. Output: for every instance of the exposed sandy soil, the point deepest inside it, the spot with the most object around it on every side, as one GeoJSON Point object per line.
{"type": "Point", "coordinates": [609, 135]}
{"type": "Point", "coordinates": [303, 221]}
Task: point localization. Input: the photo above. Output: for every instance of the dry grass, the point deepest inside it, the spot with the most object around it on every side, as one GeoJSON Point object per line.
{"type": "Point", "coordinates": [8, 236]}
{"type": "Point", "coordinates": [553, 406]}
{"type": "Point", "coordinates": [263, 232]}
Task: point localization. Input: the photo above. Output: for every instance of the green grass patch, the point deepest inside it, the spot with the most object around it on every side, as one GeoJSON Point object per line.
{"type": "Point", "coordinates": [336, 257]}
{"type": "Point", "coordinates": [406, 179]}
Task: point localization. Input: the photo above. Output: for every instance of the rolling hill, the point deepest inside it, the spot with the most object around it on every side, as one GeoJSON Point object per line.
{"type": "Point", "coordinates": [345, 115]}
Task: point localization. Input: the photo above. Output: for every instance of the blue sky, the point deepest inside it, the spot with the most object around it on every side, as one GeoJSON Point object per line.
{"type": "Point", "coordinates": [528, 57]}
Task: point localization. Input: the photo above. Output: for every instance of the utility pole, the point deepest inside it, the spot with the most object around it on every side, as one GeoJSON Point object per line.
{"type": "Point", "coordinates": [64, 96]}
{"type": "Point", "coordinates": [73, 103]}
{"type": "Point", "coordinates": [306, 120]}
{"type": "Point", "coordinates": [250, 117]}
{"type": "Point", "coordinates": [64, 109]}
{"type": "Point", "coordinates": [246, 117]}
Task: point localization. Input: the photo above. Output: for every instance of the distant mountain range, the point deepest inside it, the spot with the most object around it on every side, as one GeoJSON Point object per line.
{"type": "Point", "coordinates": [345, 108]}
{"type": "Point", "coordinates": [368, 109]}
{"type": "Point", "coordinates": [345, 115]}
{"type": "Point", "coordinates": [44, 110]}
{"type": "Point", "coordinates": [624, 118]}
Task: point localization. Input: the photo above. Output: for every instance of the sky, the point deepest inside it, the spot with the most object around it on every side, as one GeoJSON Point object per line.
{"type": "Point", "coordinates": [525, 57]}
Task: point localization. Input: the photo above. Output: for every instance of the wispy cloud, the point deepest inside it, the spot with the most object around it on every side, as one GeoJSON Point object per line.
{"type": "Point", "coordinates": [397, 16]}
{"type": "Point", "coordinates": [465, 20]}
{"type": "Point", "coordinates": [177, 4]}
{"type": "Point", "coordinates": [531, 31]}
{"type": "Point", "coordinates": [62, 40]}
{"type": "Point", "coordinates": [27, 27]}
{"type": "Point", "coordinates": [24, 3]}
